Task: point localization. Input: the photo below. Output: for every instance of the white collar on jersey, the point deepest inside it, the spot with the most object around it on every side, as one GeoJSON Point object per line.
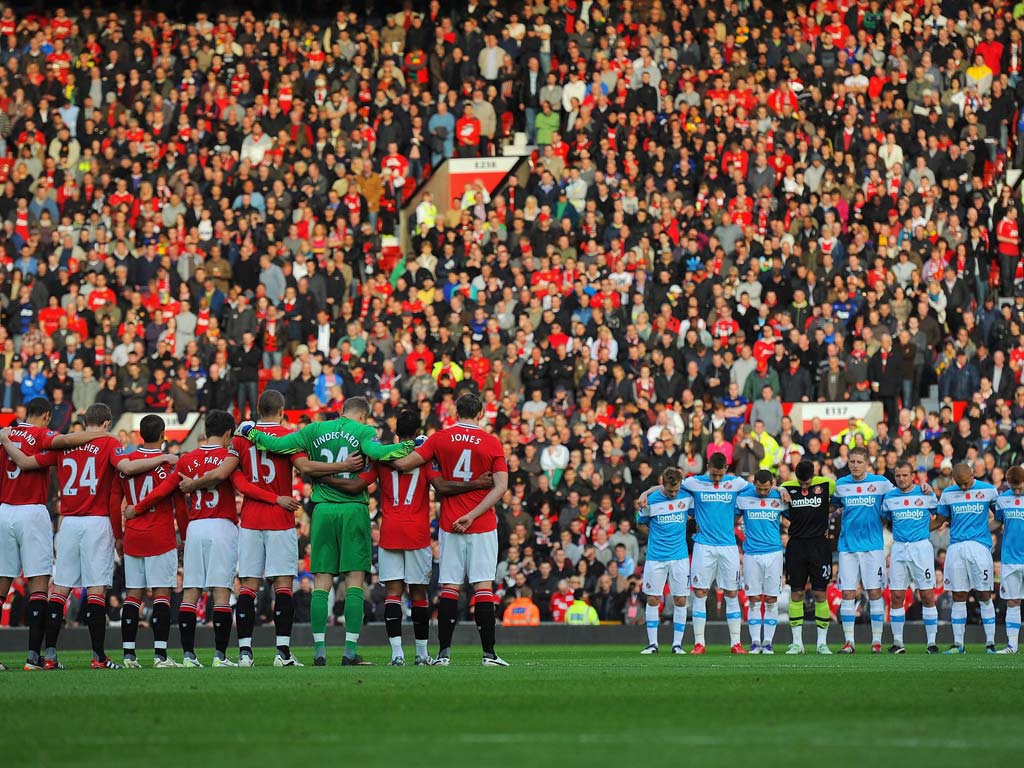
{"type": "Point", "coordinates": [210, 447]}
{"type": "Point", "coordinates": [467, 426]}
{"type": "Point", "coordinates": [149, 450]}
{"type": "Point", "coordinates": [268, 424]}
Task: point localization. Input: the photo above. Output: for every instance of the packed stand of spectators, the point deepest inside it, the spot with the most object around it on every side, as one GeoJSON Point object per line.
{"type": "Point", "coordinates": [732, 205]}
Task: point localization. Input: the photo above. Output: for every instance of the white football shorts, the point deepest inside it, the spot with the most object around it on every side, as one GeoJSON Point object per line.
{"type": "Point", "coordinates": [762, 574]}
{"type": "Point", "coordinates": [676, 572]}
{"type": "Point", "coordinates": [413, 566]}
{"type": "Point", "coordinates": [151, 572]}
{"type": "Point", "coordinates": [867, 568]}
{"type": "Point", "coordinates": [266, 554]}
{"type": "Point", "coordinates": [211, 554]}
{"type": "Point", "coordinates": [26, 541]}
{"type": "Point", "coordinates": [912, 563]}
{"type": "Point", "coordinates": [1011, 581]}
{"type": "Point", "coordinates": [85, 552]}
{"type": "Point", "coordinates": [468, 556]}
{"type": "Point", "coordinates": [715, 564]}
{"type": "Point", "coordinates": [969, 566]}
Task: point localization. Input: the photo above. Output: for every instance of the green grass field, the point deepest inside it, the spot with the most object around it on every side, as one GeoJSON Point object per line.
{"type": "Point", "coordinates": [557, 705]}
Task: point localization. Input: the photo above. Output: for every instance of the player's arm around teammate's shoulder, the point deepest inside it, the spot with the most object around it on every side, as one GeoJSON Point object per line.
{"type": "Point", "coordinates": [214, 477]}
{"type": "Point", "coordinates": [351, 485]}
{"type": "Point", "coordinates": [17, 455]}
{"type": "Point", "coordinates": [166, 487]}
{"type": "Point", "coordinates": [641, 501]}
{"type": "Point", "coordinates": [131, 467]}
{"type": "Point", "coordinates": [249, 489]}
{"type": "Point", "coordinates": [321, 469]}
{"type": "Point", "coordinates": [455, 487]}
{"type": "Point", "coordinates": [78, 439]}
{"type": "Point", "coordinates": [424, 452]}
{"type": "Point", "coordinates": [292, 443]}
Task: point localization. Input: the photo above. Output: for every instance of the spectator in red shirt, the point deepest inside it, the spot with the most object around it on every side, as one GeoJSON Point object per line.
{"type": "Point", "coordinates": [467, 133]}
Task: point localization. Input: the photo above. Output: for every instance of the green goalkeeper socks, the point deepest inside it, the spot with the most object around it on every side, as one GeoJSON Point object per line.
{"type": "Point", "coordinates": [318, 620]}
{"type": "Point", "coordinates": [796, 614]}
{"type": "Point", "coordinates": [822, 615]}
{"type": "Point", "coordinates": [353, 619]}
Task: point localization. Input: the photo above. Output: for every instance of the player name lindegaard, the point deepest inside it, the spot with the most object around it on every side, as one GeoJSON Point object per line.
{"type": "Point", "coordinates": [328, 436]}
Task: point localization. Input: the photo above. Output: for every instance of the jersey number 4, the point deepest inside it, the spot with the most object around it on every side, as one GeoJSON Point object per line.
{"type": "Point", "coordinates": [88, 478]}
{"type": "Point", "coordinates": [463, 467]}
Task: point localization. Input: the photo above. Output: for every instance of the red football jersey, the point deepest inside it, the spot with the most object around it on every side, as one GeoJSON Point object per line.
{"type": "Point", "coordinates": [404, 505]}
{"type": "Point", "coordinates": [272, 471]}
{"type": "Point", "coordinates": [27, 486]}
{"type": "Point", "coordinates": [216, 502]}
{"type": "Point", "coordinates": [207, 503]}
{"type": "Point", "coordinates": [465, 452]}
{"type": "Point", "coordinates": [86, 476]}
{"type": "Point", "coordinates": [152, 533]}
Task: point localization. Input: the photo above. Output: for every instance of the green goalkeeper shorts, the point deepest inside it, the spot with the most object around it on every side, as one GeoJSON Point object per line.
{"type": "Point", "coordinates": [340, 538]}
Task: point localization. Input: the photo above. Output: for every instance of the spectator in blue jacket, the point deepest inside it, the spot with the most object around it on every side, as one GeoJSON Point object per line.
{"type": "Point", "coordinates": [33, 383]}
{"type": "Point", "coordinates": [960, 381]}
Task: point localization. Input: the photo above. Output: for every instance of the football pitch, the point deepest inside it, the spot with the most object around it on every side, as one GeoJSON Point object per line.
{"type": "Point", "coordinates": [582, 705]}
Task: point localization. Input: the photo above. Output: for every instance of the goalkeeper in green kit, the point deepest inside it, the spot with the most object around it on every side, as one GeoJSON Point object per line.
{"type": "Point", "coordinates": [340, 535]}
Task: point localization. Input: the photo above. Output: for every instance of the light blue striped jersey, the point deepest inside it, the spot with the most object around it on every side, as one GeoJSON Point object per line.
{"type": "Point", "coordinates": [667, 521]}
{"type": "Point", "coordinates": [910, 513]}
{"type": "Point", "coordinates": [1010, 512]}
{"type": "Point", "coordinates": [761, 520]}
{"type": "Point", "coordinates": [861, 502]}
{"type": "Point", "coordinates": [714, 508]}
{"type": "Point", "coordinates": [967, 512]}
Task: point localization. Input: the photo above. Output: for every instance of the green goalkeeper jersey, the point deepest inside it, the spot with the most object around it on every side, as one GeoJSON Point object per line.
{"type": "Point", "coordinates": [333, 441]}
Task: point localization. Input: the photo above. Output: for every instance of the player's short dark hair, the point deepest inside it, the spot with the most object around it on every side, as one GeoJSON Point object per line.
{"type": "Point", "coordinates": [860, 450]}
{"type": "Point", "coordinates": [151, 428]}
{"type": "Point", "coordinates": [763, 476]}
{"type": "Point", "coordinates": [718, 461]}
{"type": "Point", "coordinates": [38, 406]}
{"type": "Point", "coordinates": [904, 464]}
{"type": "Point", "coordinates": [1015, 475]}
{"type": "Point", "coordinates": [356, 405]}
{"type": "Point", "coordinates": [98, 414]}
{"type": "Point", "coordinates": [468, 406]}
{"type": "Point", "coordinates": [271, 403]}
{"type": "Point", "coordinates": [672, 475]}
{"type": "Point", "coordinates": [407, 425]}
{"type": "Point", "coordinates": [219, 423]}
{"type": "Point", "coordinates": [805, 471]}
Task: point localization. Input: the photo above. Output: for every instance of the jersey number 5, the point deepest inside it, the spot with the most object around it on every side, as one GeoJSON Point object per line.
{"type": "Point", "coordinates": [259, 459]}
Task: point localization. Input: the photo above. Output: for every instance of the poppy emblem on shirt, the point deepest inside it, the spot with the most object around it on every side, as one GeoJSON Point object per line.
{"type": "Point", "coordinates": [763, 502]}
{"type": "Point", "coordinates": [906, 502]}
{"type": "Point", "coordinates": [1016, 502]}
{"type": "Point", "coordinates": [671, 507]}
{"type": "Point", "coordinates": [967, 495]}
{"type": "Point", "coordinates": [803, 492]}
{"type": "Point", "coordinates": [859, 489]}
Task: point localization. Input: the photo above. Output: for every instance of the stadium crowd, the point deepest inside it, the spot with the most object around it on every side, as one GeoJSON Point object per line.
{"type": "Point", "coordinates": [732, 206]}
